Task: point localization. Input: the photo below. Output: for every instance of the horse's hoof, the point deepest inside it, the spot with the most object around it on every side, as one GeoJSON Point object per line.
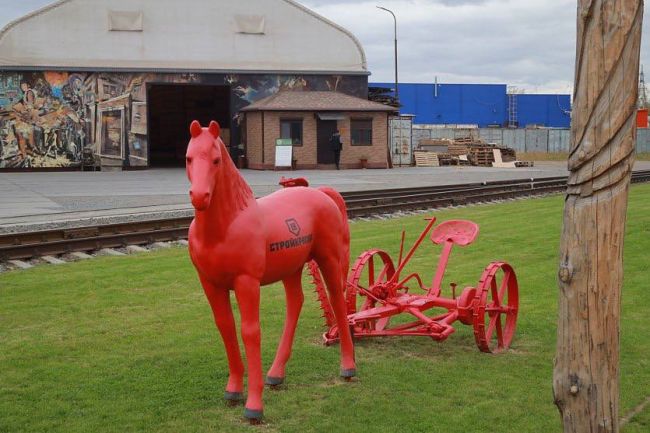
{"type": "Point", "coordinates": [348, 374]}
{"type": "Point", "coordinates": [233, 398]}
{"type": "Point", "coordinates": [253, 416]}
{"type": "Point", "coordinates": [274, 381]}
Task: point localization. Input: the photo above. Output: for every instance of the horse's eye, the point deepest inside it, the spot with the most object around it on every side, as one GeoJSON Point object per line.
{"type": "Point", "coordinates": [216, 161]}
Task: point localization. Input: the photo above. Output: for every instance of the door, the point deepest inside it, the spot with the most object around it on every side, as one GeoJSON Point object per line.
{"type": "Point", "coordinates": [172, 107]}
{"type": "Point", "coordinates": [324, 131]}
{"type": "Point", "coordinates": [400, 132]}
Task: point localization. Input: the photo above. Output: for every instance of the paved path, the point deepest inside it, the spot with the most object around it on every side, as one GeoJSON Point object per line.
{"type": "Point", "coordinates": [41, 197]}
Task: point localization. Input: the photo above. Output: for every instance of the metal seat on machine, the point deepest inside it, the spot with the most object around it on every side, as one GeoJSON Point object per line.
{"type": "Point", "coordinates": [459, 232]}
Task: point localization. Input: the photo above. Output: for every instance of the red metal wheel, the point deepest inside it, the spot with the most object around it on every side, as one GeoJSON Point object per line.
{"type": "Point", "coordinates": [495, 308]}
{"type": "Point", "coordinates": [321, 292]}
{"type": "Point", "coordinates": [368, 283]}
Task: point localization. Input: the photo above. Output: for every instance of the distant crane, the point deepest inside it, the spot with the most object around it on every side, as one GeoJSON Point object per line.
{"type": "Point", "coordinates": [643, 92]}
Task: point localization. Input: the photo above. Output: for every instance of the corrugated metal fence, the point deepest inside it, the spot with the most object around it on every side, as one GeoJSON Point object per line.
{"type": "Point", "coordinates": [522, 140]}
{"type": "Point", "coordinates": [642, 140]}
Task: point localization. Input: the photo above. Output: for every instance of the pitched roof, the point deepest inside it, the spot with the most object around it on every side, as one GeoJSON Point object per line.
{"type": "Point", "coordinates": [315, 101]}
{"type": "Point", "coordinates": [193, 35]}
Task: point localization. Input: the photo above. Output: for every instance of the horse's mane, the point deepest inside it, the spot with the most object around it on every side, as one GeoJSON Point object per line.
{"type": "Point", "coordinates": [235, 183]}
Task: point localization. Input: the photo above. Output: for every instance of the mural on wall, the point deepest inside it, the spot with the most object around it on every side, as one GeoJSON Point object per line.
{"type": "Point", "coordinates": [48, 118]}
{"type": "Point", "coordinates": [139, 118]}
{"type": "Point", "coordinates": [112, 136]}
{"type": "Point", "coordinates": [42, 119]}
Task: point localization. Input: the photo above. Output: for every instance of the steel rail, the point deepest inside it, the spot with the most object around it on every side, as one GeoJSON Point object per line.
{"type": "Point", "coordinates": [351, 195]}
{"type": "Point", "coordinates": [363, 203]}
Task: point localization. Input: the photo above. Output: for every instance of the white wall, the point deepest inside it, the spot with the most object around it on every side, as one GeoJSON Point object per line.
{"type": "Point", "coordinates": [190, 34]}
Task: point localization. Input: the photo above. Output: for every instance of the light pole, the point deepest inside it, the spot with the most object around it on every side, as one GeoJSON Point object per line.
{"type": "Point", "coordinates": [398, 147]}
{"type": "Point", "coordinates": [395, 20]}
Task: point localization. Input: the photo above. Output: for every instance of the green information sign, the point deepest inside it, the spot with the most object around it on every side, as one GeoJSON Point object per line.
{"type": "Point", "coordinates": [283, 142]}
{"type": "Point", "coordinates": [283, 152]}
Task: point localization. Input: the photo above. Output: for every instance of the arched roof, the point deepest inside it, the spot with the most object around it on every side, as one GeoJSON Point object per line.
{"type": "Point", "coordinates": [196, 35]}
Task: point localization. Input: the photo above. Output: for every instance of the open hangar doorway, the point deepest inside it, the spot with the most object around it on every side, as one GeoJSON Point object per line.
{"type": "Point", "coordinates": [172, 107]}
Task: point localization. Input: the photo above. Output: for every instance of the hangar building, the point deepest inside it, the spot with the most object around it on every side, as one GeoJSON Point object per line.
{"type": "Point", "coordinates": [125, 78]}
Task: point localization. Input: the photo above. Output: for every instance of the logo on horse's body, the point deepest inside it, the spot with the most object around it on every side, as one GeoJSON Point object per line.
{"type": "Point", "coordinates": [293, 226]}
{"type": "Point", "coordinates": [291, 243]}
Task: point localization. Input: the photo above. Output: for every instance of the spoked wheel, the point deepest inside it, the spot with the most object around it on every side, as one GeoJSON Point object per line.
{"type": "Point", "coordinates": [367, 284]}
{"type": "Point", "coordinates": [495, 308]}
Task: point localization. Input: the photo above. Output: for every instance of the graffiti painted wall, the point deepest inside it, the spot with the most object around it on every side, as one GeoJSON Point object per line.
{"type": "Point", "coordinates": [48, 118]}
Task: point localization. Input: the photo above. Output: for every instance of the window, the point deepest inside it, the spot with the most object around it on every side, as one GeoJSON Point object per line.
{"type": "Point", "coordinates": [291, 128]}
{"type": "Point", "coordinates": [250, 24]}
{"type": "Point", "coordinates": [361, 132]}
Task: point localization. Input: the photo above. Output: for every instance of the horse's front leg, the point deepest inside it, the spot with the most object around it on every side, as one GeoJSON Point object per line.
{"type": "Point", "coordinates": [295, 298]}
{"type": "Point", "coordinates": [219, 299]}
{"type": "Point", "coordinates": [247, 291]}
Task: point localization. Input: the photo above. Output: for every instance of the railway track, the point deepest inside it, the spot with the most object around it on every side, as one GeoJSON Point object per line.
{"type": "Point", "coordinates": [22, 246]}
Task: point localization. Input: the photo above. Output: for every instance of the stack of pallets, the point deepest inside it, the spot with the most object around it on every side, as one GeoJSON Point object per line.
{"type": "Point", "coordinates": [462, 151]}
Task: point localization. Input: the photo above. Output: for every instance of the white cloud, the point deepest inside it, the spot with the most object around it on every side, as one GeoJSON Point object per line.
{"type": "Point", "coordinates": [529, 44]}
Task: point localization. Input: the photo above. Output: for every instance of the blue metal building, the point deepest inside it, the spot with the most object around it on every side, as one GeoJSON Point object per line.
{"type": "Point", "coordinates": [479, 104]}
{"type": "Point", "coordinates": [544, 110]}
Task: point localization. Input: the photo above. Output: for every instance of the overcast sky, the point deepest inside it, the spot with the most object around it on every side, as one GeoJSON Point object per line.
{"type": "Point", "coordinates": [529, 44]}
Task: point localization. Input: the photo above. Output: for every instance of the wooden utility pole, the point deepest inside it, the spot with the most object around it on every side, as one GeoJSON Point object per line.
{"type": "Point", "coordinates": [603, 136]}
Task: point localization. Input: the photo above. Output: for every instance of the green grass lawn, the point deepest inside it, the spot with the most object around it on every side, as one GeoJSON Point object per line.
{"type": "Point", "coordinates": [128, 344]}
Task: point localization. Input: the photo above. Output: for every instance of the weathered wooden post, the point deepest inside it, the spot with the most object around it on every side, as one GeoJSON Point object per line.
{"type": "Point", "coordinates": [603, 135]}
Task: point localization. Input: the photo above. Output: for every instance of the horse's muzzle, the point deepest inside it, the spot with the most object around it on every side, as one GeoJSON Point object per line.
{"type": "Point", "coordinates": [200, 200]}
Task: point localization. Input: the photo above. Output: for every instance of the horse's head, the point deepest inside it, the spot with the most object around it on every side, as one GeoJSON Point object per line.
{"type": "Point", "coordinates": [203, 162]}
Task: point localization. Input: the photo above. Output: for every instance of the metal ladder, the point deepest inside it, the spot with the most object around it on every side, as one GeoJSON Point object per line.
{"type": "Point", "coordinates": [512, 110]}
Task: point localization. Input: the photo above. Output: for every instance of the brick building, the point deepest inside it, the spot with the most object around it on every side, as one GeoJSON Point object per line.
{"type": "Point", "coordinates": [308, 119]}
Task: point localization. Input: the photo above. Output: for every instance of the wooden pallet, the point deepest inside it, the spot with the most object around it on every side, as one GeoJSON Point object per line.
{"type": "Point", "coordinates": [457, 149]}
{"type": "Point", "coordinates": [524, 163]}
{"type": "Point", "coordinates": [435, 142]}
{"type": "Point", "coordinates": [464, 140]}
{"type": "Point", "coordinates": [426, 159]}
{"type": "Point", "coordinates": [444, 159]}
{"type": "Point", "coordinates": [481, 156]}
{"type": "Point", "coordinates": [507, 154]}
{"type": "Point", "coordinates": [498, 161]}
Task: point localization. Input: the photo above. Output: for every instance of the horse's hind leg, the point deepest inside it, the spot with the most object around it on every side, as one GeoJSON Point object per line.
{"type": "Point", "coordinates": [293, 290]}
{"type": "Point", "coordinates": [220, 302]}
{"type": "Point", "coordinates": [333, 275]}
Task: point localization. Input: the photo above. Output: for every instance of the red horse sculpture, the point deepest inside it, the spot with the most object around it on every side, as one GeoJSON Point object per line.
{"type": "Point", "coordinates": [239, 243]}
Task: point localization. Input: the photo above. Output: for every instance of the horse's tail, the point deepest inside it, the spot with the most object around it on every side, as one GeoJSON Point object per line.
{"type": "Point", "coordinates": [340, 203]}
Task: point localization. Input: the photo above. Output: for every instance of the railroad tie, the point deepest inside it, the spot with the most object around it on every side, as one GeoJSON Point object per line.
{"type": "Point", "coordinates": [109, 252]}
{"type": "Point", "coordinates": [161, 245]}
{"type": "Point", "coordinates": [80, 255]}
{"type": "Point", "coordinates": [53, 260]}
{"type": "Point", "coordinates": [20, 264]}
{"type": "Point", "coordinates": [132, 249]}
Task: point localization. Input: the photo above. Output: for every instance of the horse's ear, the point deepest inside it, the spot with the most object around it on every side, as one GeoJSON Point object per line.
{"type": "Point", "coordinates": [214, 129]}
{"type": "Point", "coordinates": [195, 129]}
